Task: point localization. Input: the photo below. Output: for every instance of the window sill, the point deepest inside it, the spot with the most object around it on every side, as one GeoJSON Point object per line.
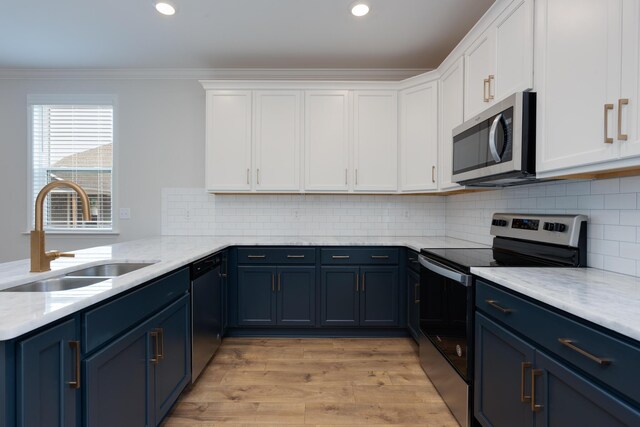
{"type": "Point", "coordinates": [79, 233]}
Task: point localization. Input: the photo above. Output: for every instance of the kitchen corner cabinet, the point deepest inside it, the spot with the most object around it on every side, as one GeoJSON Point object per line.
{"type": "Point", "coordinates": [451, 115]}
{"type": "Point", "coordinates": [526, 376]}
{"type": "Point", "coordinates": [419, 137]}
{"type": "Point", "coordinates": [500, 61]}
{"type": "Point", "coordinates": [375, 140]}
{"type": "Point", "coordinates": [580, 126]}
{"type": "Point", "coordinates": [48, 383]}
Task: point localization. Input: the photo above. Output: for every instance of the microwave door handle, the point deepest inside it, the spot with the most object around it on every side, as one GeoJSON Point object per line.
{"type": "Point", "coordinates": [436, 267]}
{"type": "Point", "coordinates": [492, 139]}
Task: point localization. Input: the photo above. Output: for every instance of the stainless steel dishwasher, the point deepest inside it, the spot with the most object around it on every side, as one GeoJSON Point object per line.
{"type": "Point", "coordinates": [206, 311]}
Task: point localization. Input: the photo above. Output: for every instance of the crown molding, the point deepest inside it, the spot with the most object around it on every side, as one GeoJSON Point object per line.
{"type": "Point", "coordinates": [344, 74]}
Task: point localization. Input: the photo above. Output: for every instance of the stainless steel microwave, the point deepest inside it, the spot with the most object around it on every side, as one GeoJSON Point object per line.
{"type": "Point", "coordinates": [497, 148]}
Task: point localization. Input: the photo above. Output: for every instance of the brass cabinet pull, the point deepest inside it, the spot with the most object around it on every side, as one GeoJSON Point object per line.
{"type": "Point", "coordinates": [75, 345]}
{"type": "Point", "coordinates": [278, 282]}
{"type": "Point", "coordinates": [363, 277]}
{"type": "Point", "coordinates": [346, 177]}
{"type": "Point", "coordinates": [248, 176]}
{"type": "Point", "coordinates": [607, 140]}
{"type": "Point", "coordinates": [357, 280]}
{"type": "Point", "coordinates": [256, 256]}
{"type": "Point", "coordinates": [161, 345]}
{"type": "Point", "coordinates": [570, 344]}
{"type": "Point", "coordinates": [493, 303]}
{"type": "Point", "coordinates": [340, 257]}
{"type": "Point", "coordinates": [534, 374]}
{"type": "Point", "coordinates": [433, 174]}
{"type": "Point", "coordinates": [356, 176]}
{"type": "Point", "coordinates": [485, 98]}
{"type": "Point", "coordinates": [523, 367]}
{"type": "Point", "coordinates": [489, 80]}
{"type": "Point", "coordinates": [154, 335]}
{"type": "Point", "coordinates": [295, 256]}
{"type": "Point", "coordinates": [273, 282]}
{"type": "Point", "coordinates": [379, 256]}
{"type": "Point", "coordinates": [621, 102]}
{"type": "Point", "coordinates": [258, 176]}
{"type": "Point", "coordinates": [416, 293]}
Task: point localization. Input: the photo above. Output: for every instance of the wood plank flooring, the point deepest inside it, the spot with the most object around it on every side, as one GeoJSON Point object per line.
{"type": "Point", "coordinates": [313, 381]}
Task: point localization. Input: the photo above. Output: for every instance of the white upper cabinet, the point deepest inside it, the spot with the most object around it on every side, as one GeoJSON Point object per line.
{"type": "Point", "coordinates": [451, 115]}
{"type": "Point", "coordinates": [629, 110]}
{"type": "Point", "coordinates": [419, 137]}
{"type": "Point", "coordinates": [326, 140]}
{"type": "Point", "coordinates": [578, 72]}
{"type": "Point", "coordinates": [228, 135]}
{"type": "Point", "coordinates": [277, 136]}
{"type": "Point", "coordinates": [500, 61]}
{"type": "Point", "coordinates": [375, 140]}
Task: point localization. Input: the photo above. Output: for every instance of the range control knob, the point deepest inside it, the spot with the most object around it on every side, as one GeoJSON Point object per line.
{"type": "Point", "coordinates": [560, 227]}
{"type": "Point", "coordinates": [499, 222]}
{"type": "Point", "coordinates": [549, 226]}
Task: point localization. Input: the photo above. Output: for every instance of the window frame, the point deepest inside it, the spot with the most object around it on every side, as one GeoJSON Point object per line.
{"type": "Point", "coordinates": [68, 99]}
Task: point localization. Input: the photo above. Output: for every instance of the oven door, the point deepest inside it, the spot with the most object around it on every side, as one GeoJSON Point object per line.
{"type": "Point", "coordinates": [446, 313]}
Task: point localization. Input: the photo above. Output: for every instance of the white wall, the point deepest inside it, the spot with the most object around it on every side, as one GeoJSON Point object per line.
{"type": "Point", "coordinates": [160, 137]}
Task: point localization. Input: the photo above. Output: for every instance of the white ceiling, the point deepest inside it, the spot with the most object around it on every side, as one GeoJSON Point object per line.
{"type": "Point", "coordinates": [232, 33]}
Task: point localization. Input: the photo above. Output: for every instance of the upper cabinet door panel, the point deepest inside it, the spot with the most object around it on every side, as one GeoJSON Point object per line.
{"type": "Point", "coordinates": [277, 136]}
{"type": "Point", "coordinates": [630, 112]}
{"type": "Point", "coordinates": [419, 137]}
{"type": "Point", "coordinates": [326, 140]}
{"type": "Point", "coordinates": [375, 141]}
{"type": "Point", "coordinates": [480, 65]}
{"type": "Point", "coordinates": [514, 50]}
{"type": "Point", "coordinates": [577, 74]}
{"type": "Point", "coordinates": [228, 135]}
{"type": "Point", "coordinates": [451, 115]}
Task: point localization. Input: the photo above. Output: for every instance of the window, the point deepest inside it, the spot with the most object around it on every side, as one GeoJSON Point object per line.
{"type": "Point", "coordinates": [73, 141]}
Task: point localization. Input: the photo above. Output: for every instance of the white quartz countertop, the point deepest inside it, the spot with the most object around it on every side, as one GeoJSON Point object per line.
{"type": "Point", "coordinates": [607, 299]}
{"type": "Point", "coordinates": [22, 312]}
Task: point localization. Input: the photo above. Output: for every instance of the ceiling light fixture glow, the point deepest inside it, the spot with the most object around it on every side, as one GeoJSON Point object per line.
{"type": "Point", "coordinates": [165, 8]}
{"type": "Point", "coordinates": [359, 9]}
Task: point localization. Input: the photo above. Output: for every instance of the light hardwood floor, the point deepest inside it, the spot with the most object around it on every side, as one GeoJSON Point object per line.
{"type": "Point", "coordinates": [313, 381]}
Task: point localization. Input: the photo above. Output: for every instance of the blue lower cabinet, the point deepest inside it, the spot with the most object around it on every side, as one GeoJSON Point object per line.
{"type": "Point", "coordinates": [296, 296]}
{"type": "Point", "coordinates": [502, 383]}
{"type": "Point", "coordinates": [256, 296]}
{"type": "Point", "coordinates": [340, 302]}
{"type": "Point", "coordinates": [47, 381]}
{"type": "Point", "coordinates": [378, 296]}
{"type": "Point", "coordinates": [413, 303]}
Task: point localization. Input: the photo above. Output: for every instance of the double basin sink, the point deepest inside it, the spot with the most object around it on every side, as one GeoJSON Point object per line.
{"type": "Point", "coordinates": [80, 278]}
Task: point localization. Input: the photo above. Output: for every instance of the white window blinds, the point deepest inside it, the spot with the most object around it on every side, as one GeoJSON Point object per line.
{"type": "Point", "coordinates": [75, 143]}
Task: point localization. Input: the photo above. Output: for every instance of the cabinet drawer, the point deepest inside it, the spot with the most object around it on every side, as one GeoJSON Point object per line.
{"type": "Point", "coordinates": [412, 260]}
{"type": "Point", "coordinates": [266, 255]}
{"type": "Point", "coordinates": [110, 320]}
{"type": "Point", "coordinates": [359, 256]}
{"type": "Point", "coordinates": [606, 358]}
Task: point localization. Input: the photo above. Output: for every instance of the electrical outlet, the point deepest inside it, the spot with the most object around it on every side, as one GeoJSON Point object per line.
{"type": "Point", "coordinates": [125, 213]}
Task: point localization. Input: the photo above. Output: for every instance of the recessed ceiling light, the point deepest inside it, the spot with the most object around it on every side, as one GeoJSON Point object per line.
{"type": "Point", "coordinates": [165, 8]}
{"type": "Point", "coordinates": [359, 9]}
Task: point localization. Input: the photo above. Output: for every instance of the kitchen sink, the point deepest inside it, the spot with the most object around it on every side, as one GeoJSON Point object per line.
{"type": "Point", "coordinates": [56, 284]}
{"type": "Point", "coordinates": [109, 270]}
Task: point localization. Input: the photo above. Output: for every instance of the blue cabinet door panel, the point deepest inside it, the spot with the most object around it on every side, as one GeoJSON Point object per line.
{"type": "Point", "coordinates": [378, 296]}
{"type": "Point", "coordinates": [499, 374]}
{"type": "Point", "coordinates": [256, 295]}
{"type": "Point", "coordinates": [45, 367]}
{"type": "Point", "coordinates": [296, 296]}
{"type": "Point", "coordinates": [339, 305]}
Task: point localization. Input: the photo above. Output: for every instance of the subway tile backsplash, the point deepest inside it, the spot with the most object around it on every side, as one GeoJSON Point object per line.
{"type": "Point", "coordinates": [612, 205]}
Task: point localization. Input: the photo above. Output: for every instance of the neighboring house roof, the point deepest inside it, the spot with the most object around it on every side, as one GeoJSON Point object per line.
{"type": "Point", "coordinates": [91, 182]}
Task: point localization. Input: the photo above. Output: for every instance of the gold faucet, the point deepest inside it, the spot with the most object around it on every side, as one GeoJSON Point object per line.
{"type": "Point", "coordinates": [41, 260]}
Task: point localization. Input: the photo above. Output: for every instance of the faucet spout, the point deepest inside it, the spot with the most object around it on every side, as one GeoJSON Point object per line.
{"type": "Point", "coordinates": [41, 260]}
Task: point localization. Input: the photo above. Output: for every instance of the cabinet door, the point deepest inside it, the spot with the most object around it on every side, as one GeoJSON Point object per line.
{"type": "Point", "coordinates": [514, 50]}
{"type": "Point", "coordinates": [479, 62]}
{"type": "Point", "coordinates": [228, 135]}
{"type": "Point", "coordinates": [326, 140]}
{"type": "Point", "coordinates": [451, 115]}
{"type": "Point", "coordinates": [419, 137]}
{"type": "Point", "coordinates": [502, 377]}
{"type": "Point", "coordinates": [46, 365]}
{"type": "Point", "coordinates": [413, 301]}
{"type": "Point", "coordinates": [375, 141]}
{"type": "Point", "coordinates": [567, 399]}
{"type": "Point", "coordinates": [117, 391]}
{"type": "Point", "coordinates": [173, 370]}
{"type": "Point", "coordinates": [277, 137]}
{"type": "Point", "coordinates": [630, 112]}
{"type": "Point", "coordinates": [577, 75]}
{"type": "Point", "coordinates": [296, 296]}
{"type": "Point", "coordinates": [379, 296]}
{"type": "Point", "coordinates": [256, 295]}
{"type": "Point", "coordinates": [339, 302]}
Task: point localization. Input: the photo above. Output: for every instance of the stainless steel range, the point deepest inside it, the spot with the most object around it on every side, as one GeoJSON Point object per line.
{"type": "Point", "coordinates": [447, 293]}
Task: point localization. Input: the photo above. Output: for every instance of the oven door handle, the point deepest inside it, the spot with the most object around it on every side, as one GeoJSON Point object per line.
{"type": "Point", "coordinates": [443, 270]}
